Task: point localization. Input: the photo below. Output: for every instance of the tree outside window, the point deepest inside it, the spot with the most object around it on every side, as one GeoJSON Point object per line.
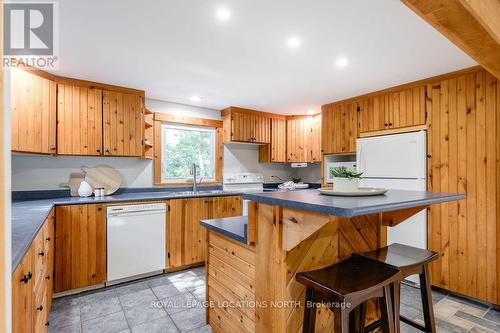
{"type": "Point", "coordinates": [183, 145]}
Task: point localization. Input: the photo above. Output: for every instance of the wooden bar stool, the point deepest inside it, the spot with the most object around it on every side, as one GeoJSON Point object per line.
{"type": "Point", "coordinates": [409, 260]}
{"type": "Point", "coordinates": [344, 286]}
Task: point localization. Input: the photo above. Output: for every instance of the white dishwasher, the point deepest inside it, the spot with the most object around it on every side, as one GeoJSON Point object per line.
{"type": "Point", "coordinates": [135, 241]}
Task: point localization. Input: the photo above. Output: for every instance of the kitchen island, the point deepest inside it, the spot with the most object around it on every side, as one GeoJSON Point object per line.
{"type": "Point", "coordinates": [251, 285]}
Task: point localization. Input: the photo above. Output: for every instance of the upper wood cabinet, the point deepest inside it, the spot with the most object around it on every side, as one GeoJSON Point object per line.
{"type": "Point", "coordinates": [275, 152]}
{"type": "Point", "coordinates": [339, 128]}
{"type": "Point", "coordinates": [79, 120]}
{"type": "Point", "coordinates": [393, 110]}
{"type": "Point", "coordinates": [303, 139]}
{"type": "Point", "coordinates": [80, 243]}
{"type": "Point", "coordinates": [123, 124]}
{"type": "Point", "coordinates": [186, 238]}
{"type": "Point", "coordinates": [243, 125]}
{"type": "Point", "coordinates": [33, 113]}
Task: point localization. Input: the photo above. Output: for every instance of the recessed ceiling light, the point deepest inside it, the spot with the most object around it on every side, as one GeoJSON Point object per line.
{"type": "Point", "coordinates": [294, 42]}
{"type": "Point", "coordinates": [342, 62]}
{"type": "Point", "coordinates": [310, 112]}
{"type": "Point", "coordinates": [195, 98]}
{"type": "Point", "coordinates": [223, 14]}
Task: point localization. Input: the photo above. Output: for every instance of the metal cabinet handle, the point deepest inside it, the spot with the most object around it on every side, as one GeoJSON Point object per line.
{"type": "Point", "coordinates": [47, 277]}
{"type": "Point", "coordinates": [41, 254]}
{"type": "Point", "coordinates": [47, 239]}
{"type": "Point", "coordinates": [40, 308]}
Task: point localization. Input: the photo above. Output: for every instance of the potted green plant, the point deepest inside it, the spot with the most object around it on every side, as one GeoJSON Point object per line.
{"type": "Point", "coordinates": [344, 179]}
{"type": "Point", "coordinates": [297, 180]}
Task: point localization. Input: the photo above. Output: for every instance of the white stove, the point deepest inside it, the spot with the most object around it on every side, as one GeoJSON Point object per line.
{"type": "Point", "coordinates": [243, 182]}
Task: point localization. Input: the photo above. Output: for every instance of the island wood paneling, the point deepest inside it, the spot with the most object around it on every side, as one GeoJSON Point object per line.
{"type": "Point", "coordinates": [80, 246]}
{"type": "Point", "coordinates": [276, 267]}
{"type": "Point", "coordinates": [463, 147]}
{"type": "Point", "coordinates": [79, 120]}
{"type": "Point", "coordinates": [123, 119]}
{"type": "Point", "coordinates": [230, 278]}
{"type": "Point", "coordinates": [33, 113]}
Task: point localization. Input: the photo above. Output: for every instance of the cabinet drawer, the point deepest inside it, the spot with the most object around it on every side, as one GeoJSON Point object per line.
{"type": "Point", "coordinates": [40, 312]}
{"type": "Point", "coordinates": [39, 259]}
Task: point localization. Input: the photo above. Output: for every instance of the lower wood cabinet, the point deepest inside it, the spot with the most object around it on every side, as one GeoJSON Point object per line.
{"type": "Point", "coordinates": [186, 238]}
{"type": "Point", "coordinates": [80, 246]}
{"type": "Point", "coordinates": [32, 283]}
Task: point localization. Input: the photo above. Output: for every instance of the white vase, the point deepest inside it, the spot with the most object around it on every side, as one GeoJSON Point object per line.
{"type": "Point", "coordinates": [345, 184]}
{"type": "Point", "coordinates": [85, 190]}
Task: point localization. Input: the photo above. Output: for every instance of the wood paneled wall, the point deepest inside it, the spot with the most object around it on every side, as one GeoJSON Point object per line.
{"type": "Point", "coordinates": [460, 112]}
{"type": "Point", "coordinates": [464, 153]}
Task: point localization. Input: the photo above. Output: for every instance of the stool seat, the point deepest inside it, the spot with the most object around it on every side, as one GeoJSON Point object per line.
{"type": "Point", "coordinates": [406, 258]}
{"type": "Point", "coordinates": [409, 260]}
{"type": "Point", "coordinates": [345, 286]}
{"type": "Point", "coordinates": [349, 277]}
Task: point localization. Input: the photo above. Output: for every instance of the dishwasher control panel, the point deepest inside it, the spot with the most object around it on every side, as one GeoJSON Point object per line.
{"type": "Point", "coordinates": [136, 208]}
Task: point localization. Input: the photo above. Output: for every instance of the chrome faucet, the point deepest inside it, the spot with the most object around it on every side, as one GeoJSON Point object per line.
{"type": "Point", "coordinates": [193, 172]}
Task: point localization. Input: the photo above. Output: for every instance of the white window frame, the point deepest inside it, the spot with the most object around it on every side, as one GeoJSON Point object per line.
{"type": "Point", "coordinates": [211, 130]}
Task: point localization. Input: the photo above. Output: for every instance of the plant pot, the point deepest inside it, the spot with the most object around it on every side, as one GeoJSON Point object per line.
{"type": "Point", "coordinates": [345, 184]}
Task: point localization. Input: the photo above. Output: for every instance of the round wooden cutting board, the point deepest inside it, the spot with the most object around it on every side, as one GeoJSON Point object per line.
{"type": "Point", "coordinates": [103, 176]}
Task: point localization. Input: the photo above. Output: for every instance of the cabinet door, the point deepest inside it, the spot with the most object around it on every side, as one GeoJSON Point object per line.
{"type": "Point", "coordinates": [278, 140]}
{"type": "Point", "coordinates": [80, 246]}
{"type": "Point", "coordinates": [186, 237]}
{"type": "Point", "coordinates": [123, 124]}
{"type": "Point", "coordinates": [33, 113]}
{"type": "Point", "coordinates": [261, 129]}
{"type": "Point", "coordinates": [406, 108]}
{"type": "Point", "coordinates": [225, 207]}
{"type": "Point", "coordinates": [297, 140]}
{"type": "Point", "coordinates": [22, 293]}
{"type": "Point", "coordinates": [315, 139]}
{"type": "Point", "coordinates": [79, 120]}
{"type": "Point", "coordinates": [339, 128]}
{"type": "Point", "coordinates": [242, 126]}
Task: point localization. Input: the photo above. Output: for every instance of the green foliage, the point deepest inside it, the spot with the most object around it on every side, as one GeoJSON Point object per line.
{"type": "Point", "coordinates": [296, 180]}
{"type": "Point", "coordinates": [184, 147]}
{"type": "Point", "coordinates": [343, 172]}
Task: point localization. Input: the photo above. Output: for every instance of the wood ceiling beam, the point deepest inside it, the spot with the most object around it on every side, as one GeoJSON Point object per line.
{"type": "Point", "coordinates": [472, 25]}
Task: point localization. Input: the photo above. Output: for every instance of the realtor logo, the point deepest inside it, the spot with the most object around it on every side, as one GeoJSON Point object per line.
{"type": "Point", "coordinates": [30, 34]}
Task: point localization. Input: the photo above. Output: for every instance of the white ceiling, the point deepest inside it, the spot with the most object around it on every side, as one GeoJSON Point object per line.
{"type": "Point", "coordinates": [174, 49]}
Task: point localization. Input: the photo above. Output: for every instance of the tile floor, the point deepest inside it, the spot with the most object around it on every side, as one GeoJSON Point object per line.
{"type": "Point", "coordinates": [172, 303]}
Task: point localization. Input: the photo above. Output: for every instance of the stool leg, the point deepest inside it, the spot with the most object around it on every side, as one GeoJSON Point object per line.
{"type": "Point", "coordinates": [341, 320]}
{"type": "Point", "coordinates": [386, 311]}
{"type": "Point", "coordinates": [395, 292]}
{"type": "Point", "coordinates": [362, 317]}
{"type": "Point", "coordinates": [309, 323]}
{"type": "Point", "coordinates": [425, 291]}
{"type": "Point", "coordinates": [357, 319]}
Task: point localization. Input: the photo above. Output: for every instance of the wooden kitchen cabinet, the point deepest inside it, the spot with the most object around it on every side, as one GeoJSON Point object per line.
{"type": "Point", "coordinates": [340, 130]}
{"type": "Point", "coordinates": [186, 238]}
{"type": "Point", "coordinates": [32, 283]}
{"type": "Point", "coordinates": [123, 119]}
{"type": "Point", "coordinates": [79, 120]}
{"type": "Point", "coordinates": [80, 246]}
{"type": "Point", "coordinates": [22, 295]}
{"type": "Point", "coordinates": [243, 125]}
{"type": "Point", "coordinates": [275, 152]}
{"type": "Point", "coordinates": [33, 113]}
{"type": "Point", "coordinates": [393, 110]}
{"type": "Point", "coordinates": [303, 135]}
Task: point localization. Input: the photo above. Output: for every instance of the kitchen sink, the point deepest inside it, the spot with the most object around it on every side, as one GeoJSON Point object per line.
{"type": "Point", "coordinates": [199, 192]}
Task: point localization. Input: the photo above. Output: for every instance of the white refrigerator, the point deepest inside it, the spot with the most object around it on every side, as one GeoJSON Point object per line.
{"type": "Point", "coordinates": [398, 162]}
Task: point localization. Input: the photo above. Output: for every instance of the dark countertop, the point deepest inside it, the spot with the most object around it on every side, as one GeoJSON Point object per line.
{"type": "Point", "coordinates": [28, 216]}
{"type": "Point", "coordinates": [312, 200]}
{"type": "Point", "coordinates": [232, 227]}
